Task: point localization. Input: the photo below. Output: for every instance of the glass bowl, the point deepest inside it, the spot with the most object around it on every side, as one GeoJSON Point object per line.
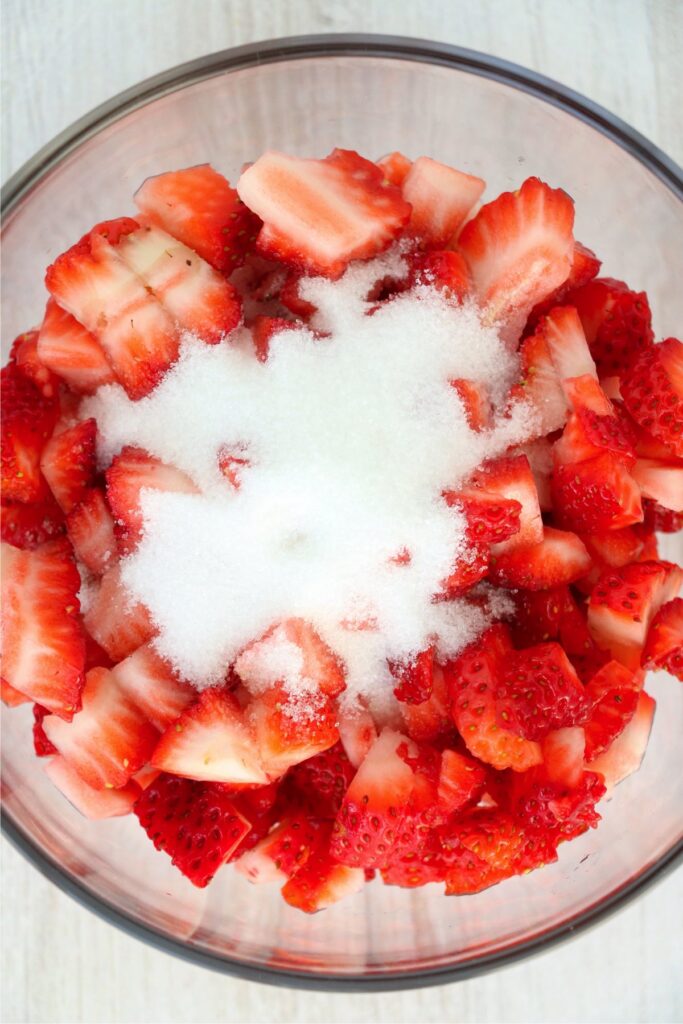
{"type": "Point", "coordinates": [373, 94]}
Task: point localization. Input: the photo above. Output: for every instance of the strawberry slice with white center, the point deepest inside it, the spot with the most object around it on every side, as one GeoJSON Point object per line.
{"type": "Point", "coordinates": [211, 742]}
{"type": "Point", "coordinates": [594, 426]}
{"type": "Point", "coordinates": [116, 622]}
{"type": "Point", "coordinates": [70, 351]}
{"type": "Point", "coordinates": [511, 478]}
{"type": "Point", "coordinates": [24, 353]}
{"type": "Point", "coordinates": [98, 288]}
{"type": "Point", "coordinates": [90, 527]}
{"type": "Point", "coordinates": [664, 645]}
{"type": "Point", "coordinates": [395, 167]}
{"type": "Point", "coordinates": [43, 645]}
{"type": "Point", "coordinates": [197, 296]}
{"type": "Point", "coordinates": [626, 753]}
{"type": "Point", "coordinates": [321, 882]}
{"type": "Point", "coordinates": [560, 558]}
{"type": "Point", "coordinates": [109, 739]}
{"type": "Point", "coordinates": [567, 343]}
{"type": "Point", "coordinates": [131, 472]}
{"type": "Point", "coordinates": [563, 754]}
{"type": "Point", "coordinates": [153, 686]}
{"type": "Point", "coordinates": [624, 603]}
{"type": "Point", "coordinates": [320, 214]}
{"type": "Point", "coordinates": [281, 853]}
{"type": "Point", "coordinates": [585, 266]}
{"type": "Point", "coordinates": [441, 197]}
{"type": "Point", "coordinates": [519, 249]}
{"type": "Point", "coordinates": [540, 384]}
{"type": "Point", "coordinates": [198, 206]}
{"type": "Point", "coordinates": [357, 732]}
{"type": "Point", "coordinates": [68, 463]}
{"type": "Point", "coordinates": [660, 481]}
{"type": "Point", "coordinates": [95, 804]}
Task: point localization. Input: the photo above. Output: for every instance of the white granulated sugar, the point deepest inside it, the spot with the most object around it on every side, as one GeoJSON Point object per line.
{"type": "Point", "coordinates": [351, 439]}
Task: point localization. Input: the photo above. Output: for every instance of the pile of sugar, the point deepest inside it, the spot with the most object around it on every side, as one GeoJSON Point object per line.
{"type": "Point", "coordinates": [351, 438]}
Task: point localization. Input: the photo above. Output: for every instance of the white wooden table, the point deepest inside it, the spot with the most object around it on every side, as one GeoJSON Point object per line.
{"type": "Point", "coordinates": [62, 57]}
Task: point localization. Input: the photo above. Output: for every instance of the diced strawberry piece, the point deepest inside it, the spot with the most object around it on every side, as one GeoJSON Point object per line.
{"type": "Point", "coordinates": [492, 835]}
{"type": "Point", "coordinates": [198, 298]}
{"type": "Point", "coordinates": [259, 807]}
{"type": "Point", "coordinates": [282, 852]}
{"type": "Point", "coordinates": [211, 742]}
{"type": "Point", "coordinates": [320, 214]}
{"type": "Point", "coordinates": [625, 754]}
{"type": "Point", "coordinates": [28, 419]}
{"type": "Point", "coordinates": [519, 249]}
{"type": "Point", "coordinates": [95, 804]}
{"type": "Point", "coordinates": [613, 548]}
{"type": "Point", "coordinates": [652, 388]}
{"type": "Point", "coordinates": [476, 402]}
{"type": "Point", "coordinates": [431, 720]}
{"type": "Point", "coordinates": [415, 678]}
{"type": "Point", "coordinates": [510, 477]}
{"type": "Point", "coordinates": [324, 779]}
{"type": "Point", "coordinates": [539, 691]}
{"type": "Point", "coordinates": [540, 384]}
{"type": "Point", "coordinates": [462, 781]}
{"type": "Point", "coordinates": [617, 322]}
{"type": "Point", "coordinates": [68, 463]}
{"type": "Point", "coordinates": [290, 652]}
{"type": "Point", "coordinates": [624, 603]}
{"type": "Point", "coordinates": [195, 823]}
{"type": "Point", "coordinates": [543, 615]}
{"type": "Point", "coordinates": [11, 697]}
{"type": "Point", "coordinates": [395, 167]}
{"type": "Point", "coordinates": [29, 526]}
{"type": "Point", "coordinates": [613, 692]}
{"type": "Point", "coordinates": [41, 743]}
{"type": "Point", "coordinates": [441, 198]}
{"type": "Point", "coordinates": [287, 734]}
{"type": "Point", "coordinates": [264, 327]}
{"type": "Point", "coordinates": [551, 812]}
{"type": "Point", "coordinates": [131, 472]}
{"type": "Point", "coordinates": [661, 519]}
{"type": "Point", "coordinates": [321, 882]}
{"type": "Point", "coordinates": [563, 755]}
{"type": "Point", "coordinates": [114, 621]}
{"type": "Point", "coordinates": [561, 557]}
{"type": "Point", "coordinates": [598, 494]}
{"type": "Point", "coordinates": [471, 567]}
{"type": "Point", "coordinates": [357, 733]}
{"type": "Point", "coordinates": [291, 298]}
{"type": "Point", "coordinates": [446, 271]}
{"type": "Point", "coordinates": [197, 206]}
{"type": "Point", "coordinates": [585, 266]}
{"type": "Point", "coordinates": [109, 739]}
{"type": "Point", "coordinates": [24, 353]}
{"type": "Point", "coordinates": [490, 518]}
{"type": "Point", "coordinates": [43, 645]}
{"type": "Point", "coordinates": [567, 343]}
{"type": "Point", "coordinates": [661, 481]}
{"type": "Point", "coordinates": [91, 531]}
{"type": "Point", "coordinates": [152, 685]}
{"type": "Point", "coordinates": [595, 426]}
{"type": "Point", "coordinates": [97, 287]}
{"type": "Point", "coordinates": [473, 680]}
{"type": "Point", "coordinates": [664, 644]}
{"type": "Point", "coordinates": [67, 349]}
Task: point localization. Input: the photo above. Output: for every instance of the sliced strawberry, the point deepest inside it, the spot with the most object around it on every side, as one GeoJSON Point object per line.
{"type": "Point", "coordinates": [595, 426]}
{"type": "Point", "coordinates": [282, 852]}
{"type": "Point", "coordinates": [68, 463]}
{"type": "Point", "coordinates": [198, 298]}
{"type": "Point", "coordinates": [543, 615]}
{"type": "Point", "coordinates": [538, 691]}
{"type": "Point", "coordinates": [321, 882]}
{"type": "Point", "coordinates": [264, 327]}
{"type": "Point", "coordinates": [561, 557]}
{"type": "Point", "coordinates": [152, 685]}
{"type": "Point", "coordinates": [441, 198]}
{"type": "Point", "coordinates": [539, 383]}
{"type": "Point", "coordinates": [195, 823]}
{"type": "Point", "coordinates": [320, 214]}
{"type": "Point", "coordinates": [652, 388]}
{"type": "Point", "coordinates": [519, 249]}
{"type": "Point", "coordinates": [473, 680]}
{"type": "Point", "coordinates": [288, 733]}
{"type": "Point", "coordinates": [664, 645]}
{"type": "Point", "coordinates": [626, 753]}
{"type": "Point", "coordinates": [661, 519]}
{"type": "Point", "coordinates": [661, 482]}
{"type": "Point", "coordinates": [563, 755]}
{"type": "Point", "coordinates": [624, 603]}
{"type": "Point", "coordinates": [567, 343]}
{"type": "Point", "coordinates": [115, 622]}
{"type": "Point", "coordinates": [211, 742]}
{"type": "Point", "coordinates": [357, 733]}
{"type": "Point", "coordinates": [131, 472]}
{"type": "Point", "coordinates": [43, 645]}
{"type": "Point", "coordinates": [97, 287]}
{"type": "Point", "coordinates": [598, 494]}
{"type": "Point", "coordinates": [476, 402]}
{"type": "Point", "coordinates": [415, 678]}
{"type": "Point", "coordinates": [41, 743]}
{"type": "Point", "coordinates": [395, 167]}
{"type": "Point", "coordinates": [109, 739]}
{"type": "Point", "coordinates": [490, 517]}
{"type": "Point", "coordinates": [324, 779]}
{"type": "Point", "coordinates": [511, 478]}
{"type": "Point", "coordinates": [197, 206]}
{"type": "Point", "coordinates": [585, 266]}
{"type": "Point", "coordinates": [95, 804]}
{"type": "Point", "coordinates": [91, 531]}
{"type": "Point", "coordinates": [617, 322]}
{"type": "Point", "coordinates": [71, 352]}
{"type": "Point", "coordinates": [431, 720]}
{"type": "Point", "coordinates": [462, 781]}
{"type": "Point", "coordinates": [24, 353]}
{"type": "Point", "coordinates": [29, 526]}
{"type": "Point", "coordinates": [613, 692]}
{"type": "Point", "coordinates": [28, 419]}
{"type": "Point", "coordinates": [11, 697]}
{"type": "Point", "coordinates": [292, 653]}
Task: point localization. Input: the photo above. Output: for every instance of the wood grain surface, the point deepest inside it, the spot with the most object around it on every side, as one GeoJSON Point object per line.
{"type": "Point", "coordinates": [59, 59]}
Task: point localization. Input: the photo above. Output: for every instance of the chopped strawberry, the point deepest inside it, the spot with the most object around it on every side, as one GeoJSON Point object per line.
{"type": "Point", "coordinates": [198, 298]}
{"type": "Point", "coordinates": [624, 603]}
{"type": "Point", "coordinates": [539, 383]}
{"type": "Point", "coordinates": [561, 557]}
{"type": "Point", "coordinates": [24, 353]}
{"type": "Point", "coordinates": [395, 167]}
{"type": "Point", "coordinates": [614, 547]}
{"type": "Point", "coordinates": [595, 426]}
{"type": "Point", "coordinates": [264, 327]}
{"type": "Point", "coordinates": [473, 680]}
{"type": "Point", "coordinates": [357, 733]}
{"type": "Point", "coordinates": [286, 735]}
{"type": "Point", "coordinates": [11, 697]}
{"type": "Point", "coordinates": [152, 685]}
{"type": "Point", "coordinates": [68, 463]}
{"type": "Point", "coordinates": [551, 812]}
{"type": "Point", "coordinates": [661, 482]}
{"type": "Point", "coordinates": [321, 882]}
{"type": "Point", "coordinates": [260, 809]}
{"type": "Point", "coordinates": [661, 519]}
{"type": "Point", "coordinates": [320, 214]}
{"type": "Point", "coordinates": [617, 322]}
{"type": "Point", "coordinates": [195, 823]}
{"type": "Point", "coordinates": [598, 494]}
{"type": "Point", "coordinates": [98, 288]}
{"type": "Point", "coordinates": [29, 526]}
{"type": "Point", "coordinates": [324, 779]}
{"type": "Point", "coordinates": [652, 388]}
{"type": "Point", "coordinates": [567, 343]}
{"type": "Point", "coordinates": [585, 266]}
{"type": "Point", "coordinates": [542, 615]}
{"type": "Point", "coordinates": [626, 753]}
{"type": "Point", "coordinates": [471, 566]}
{"type": "Point", "coordinates": [476, 403]}
{"type": "Point", "coordinates": [28, 419]}
{"type": "Point", "coordinates": [114, 621]}
{"type": "Point", "coordinates": [131, 472]}
{"type": "Point", "coordinates": [613, 692]}
{"type": "Point", "coordinates": [441, 198]}
{"type": "Point", "coordinates": [491, 518]}
{"type": "Point", "coordinates": [282, 852]}
{"type": "Point", "coordinates": [431, 720]}
{"type": "Point", "coordinates": [297, 652]}
{"type": "Point", "coordinates": [67, 349]}
{"type": "Point", "coordinates": [446, 271]}
{"type": "Point", "coordinates": [43, 645]}
{"type": "Point", "coordinates": [210, 742]}
{"type": "Point", "coordinates": [197, 206]}
{"type": "Point", "coordinates": [95, 804]}
{"type": "Point", "coordinates": [41, 743]}
{"type": "Point", "coordinates": [415, 678]}
{"type": "Point", "coordinates": [291, 298]}
{"type": "Point", "coordinates": [510, 477]}
{"type": "Point", "coordinates": [539, 691]}
{"type": "Point", "coordinates": [462, 781]}
{"type": "Point", "coordinates": [91, 531]}
{"type": "Point", "coordinates": [519, 249]}
{"type": "Point", "coordinates": [563, 755]}
{"type": "Point", "coordinates": [664, 644]}
{"type": "Point", "coordinates": [109, 739]}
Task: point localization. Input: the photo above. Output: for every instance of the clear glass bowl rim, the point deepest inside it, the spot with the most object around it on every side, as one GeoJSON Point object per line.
{"type": "Point", "coordinates": [297, 48]}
